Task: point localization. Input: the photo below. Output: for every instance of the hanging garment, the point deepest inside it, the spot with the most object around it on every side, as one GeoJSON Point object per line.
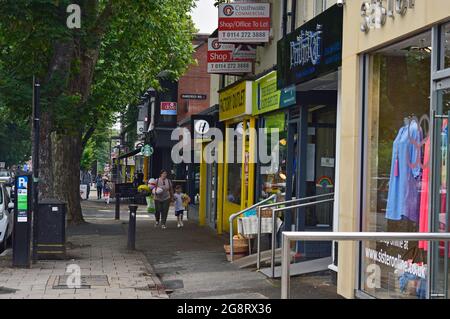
{"type": "Point", "coordinates": [424, 199]}
{"type": "Point", "coordinates": [423, 216]}
{"type": "Point", "coordinates": [404, 181]}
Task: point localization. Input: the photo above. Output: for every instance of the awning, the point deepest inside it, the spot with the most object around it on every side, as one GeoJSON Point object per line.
{"type": "Point", "coordinates": [132, 153]}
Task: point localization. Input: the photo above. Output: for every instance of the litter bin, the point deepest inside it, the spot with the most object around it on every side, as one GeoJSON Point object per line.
{"type": "Point", "coordinates": [50, 232]}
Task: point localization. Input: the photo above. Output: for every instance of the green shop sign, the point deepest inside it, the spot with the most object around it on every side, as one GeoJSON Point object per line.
{"type": "Point", "coordinates": [266, 96]}
{"type": "Point", "coordinates": [147, 150]}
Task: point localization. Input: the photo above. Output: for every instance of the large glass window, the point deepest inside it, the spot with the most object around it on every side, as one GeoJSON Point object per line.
{"type": "Point", "coordinates": [397, 168]}
{"type": "Point", "coordinates": [273, 173]}
{"type": "Point", "coordinates": [446, 39]}
{"type": "Point", "coordinates": [234, 165]}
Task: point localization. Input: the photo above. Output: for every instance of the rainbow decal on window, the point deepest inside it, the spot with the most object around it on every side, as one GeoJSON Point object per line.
{"type": "Point", "coordinates": [325, 182]}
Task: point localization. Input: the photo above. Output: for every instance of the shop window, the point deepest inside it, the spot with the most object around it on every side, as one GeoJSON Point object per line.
{"type": "Point", "coordinates": [234, 164]}
{"type": "Point", "coordinates": [397, 168]}
{"type": "Point", "coordinates": [446, 39]}
{"type": "Point", "coordinates": [273, 174]}
{"type": "Point", "coordinates": [319, 6]}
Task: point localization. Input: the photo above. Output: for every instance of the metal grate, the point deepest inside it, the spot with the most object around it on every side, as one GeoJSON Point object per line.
{"type": "Point", "coordinates": [87, 282]}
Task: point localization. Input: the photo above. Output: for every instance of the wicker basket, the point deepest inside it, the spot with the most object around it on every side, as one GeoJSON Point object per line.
{"type": "Point", "coordinates": [239, 251]}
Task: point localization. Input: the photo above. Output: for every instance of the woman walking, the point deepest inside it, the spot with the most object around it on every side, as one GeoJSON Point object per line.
{"type": "Point", "coordinates": [163, 197]}
{"type": "Point", "coordinates": [99, 184]}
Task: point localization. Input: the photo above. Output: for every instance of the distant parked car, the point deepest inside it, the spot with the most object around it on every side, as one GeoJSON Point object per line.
{"type": "Point", "coordinates": [5, 177]}
{"type": "Point", "coordinates": [6, 217]}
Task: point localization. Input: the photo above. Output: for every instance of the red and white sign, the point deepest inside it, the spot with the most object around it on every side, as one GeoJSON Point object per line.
{"type": "Point", "coordinates": [168, 108]}
{"type": "Point", "coordinates": [229, 58]}
{"type": "Point", "coordinates": [244, 22]}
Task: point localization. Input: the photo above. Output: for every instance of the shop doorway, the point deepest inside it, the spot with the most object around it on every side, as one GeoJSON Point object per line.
{"type": "Point", "coordinates": [311, 171]}
{"type": "Point", "coordinates": [439, 251]}
{"type": "Point", "coordinates": [211, 191]}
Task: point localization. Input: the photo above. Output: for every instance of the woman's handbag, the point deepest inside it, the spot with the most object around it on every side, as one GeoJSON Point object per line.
{"type": "Point", "coordinates": [150, 205]}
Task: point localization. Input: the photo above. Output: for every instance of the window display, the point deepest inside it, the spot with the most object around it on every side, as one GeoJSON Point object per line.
{"type": "Point", "coordinates": [234, 165]}
{"type": "Point", "coordinates": [397, 168]}
{"type": "Point", "coordinates": [273, 174]}
{"type": "Point", "coordinates": [446, 39]}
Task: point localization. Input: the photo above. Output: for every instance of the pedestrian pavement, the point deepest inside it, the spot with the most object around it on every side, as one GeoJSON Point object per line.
{"type": "Point", "coordinates": [99, 251]}
{"type": "Point", "coordinates": [179, 263]}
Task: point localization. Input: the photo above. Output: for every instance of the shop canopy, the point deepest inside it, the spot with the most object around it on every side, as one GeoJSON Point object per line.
{"type": "Point", "coordinates": [129, 154]}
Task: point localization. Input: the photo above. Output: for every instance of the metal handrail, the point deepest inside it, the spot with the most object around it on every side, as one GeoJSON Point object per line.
{"type": "Point", "coordinates": [235, 215]}
{"type": "Point", "coordinates": [282, 209]}
{"type": "Point", "coordinates": [258, 214]}
{"type": "Point", "coordinates": [287, 237]}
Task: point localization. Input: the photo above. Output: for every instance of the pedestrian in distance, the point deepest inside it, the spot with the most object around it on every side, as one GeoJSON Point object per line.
{"type": "Point", "coordinates": [163, 193]}
{"type": "Point", "coordinates": [99, 184]}
{"type": "Point", "coordinates": [181, 202]}
{"type": "Point", "coordinates": [107, 190]}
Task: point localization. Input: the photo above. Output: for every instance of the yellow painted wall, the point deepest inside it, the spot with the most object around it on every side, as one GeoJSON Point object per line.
{"type": "Point", "coordinates": [247, 192]}
{"type": "Point", "coordinates": [425, 14]}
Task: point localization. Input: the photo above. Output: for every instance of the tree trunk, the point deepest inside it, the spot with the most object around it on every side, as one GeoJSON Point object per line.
{"type": "Point", "coordinates": [46, 190]}
{"type": "Point", "coordinates": [66, 172]}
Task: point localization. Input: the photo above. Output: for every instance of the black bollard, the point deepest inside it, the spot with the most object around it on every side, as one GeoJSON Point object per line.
{"type": "Point", "coordinates": [117, 206]}
{"type": "Point", "coordinates": [132, 227]}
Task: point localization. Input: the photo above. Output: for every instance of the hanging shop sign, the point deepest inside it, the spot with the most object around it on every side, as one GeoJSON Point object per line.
{"type": "Point", "coordinates": [244, 22]}
{"type": "Point", "coordinates": [375, 13]}
{"type": "Point", "coordinates": [266, 96]}
{"type": "Point", "coordinates": [201, 127]}
{"type": "Point", "coordinates": [312, 50]}
{"type": "Point", "coordinates": [140, 127]}
{"type": "Point", "coordinates": [288, 96]}
{"type": "Point", "coordinates": [168, 108]}
{"type": "Point", "coordinates": [147, 150]}
{"type": "Point", "coordinates": [227, 58]}
{"type": "Point", "coordinates": [235, 101]}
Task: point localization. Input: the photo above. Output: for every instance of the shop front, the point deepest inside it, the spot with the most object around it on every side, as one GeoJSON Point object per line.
{"type": "Point", "coordinates": [394, 149]}
{"type": "Point", "coordinates": [309, 61]}
{"type": "Point", "coordinates": [236, 184]}
{"type": "Point", "coordinates": [272, 130]}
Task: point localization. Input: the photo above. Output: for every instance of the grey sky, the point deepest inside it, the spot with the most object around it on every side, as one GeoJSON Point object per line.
{"type": "Point", "coordinates": [205, 16]}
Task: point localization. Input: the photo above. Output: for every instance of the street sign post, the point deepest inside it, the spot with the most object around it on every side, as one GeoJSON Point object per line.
{"type": "Point", "coordinates": [22, 221]}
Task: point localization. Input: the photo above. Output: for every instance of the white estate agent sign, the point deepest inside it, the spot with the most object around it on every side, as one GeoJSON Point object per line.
{"type": "Point", "coordinates": [221, 58]}
{"type": "Point", "coordinates": [244, 22]}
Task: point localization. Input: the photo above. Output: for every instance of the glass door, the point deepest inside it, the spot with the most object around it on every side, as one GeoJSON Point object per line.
{"type": "Point", "coordinates": [211, 212]}
{"type": "Point", "coordinates": [439, 251]}
{"type": "Point", "coordinates": [439, 219]}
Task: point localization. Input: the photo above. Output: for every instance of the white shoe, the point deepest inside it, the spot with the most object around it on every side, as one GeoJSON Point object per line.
{"type": "Point", "coordinates": [156, 224]}
{"type": "Point", "coordinates": [163, 227]}
{"type": "Point", "coordinates": [181, 223]}
{"type": "Point", "coordinates": [178, 225]}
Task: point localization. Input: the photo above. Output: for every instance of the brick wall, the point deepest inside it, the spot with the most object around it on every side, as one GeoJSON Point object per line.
{"type": "Point", "coordinates": [196, 80]}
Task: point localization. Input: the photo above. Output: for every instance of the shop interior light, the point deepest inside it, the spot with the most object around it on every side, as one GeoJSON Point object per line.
{"type": "Point", "coordinates": [283, 142]}
{"type": "Point", "coordinates": [282, 176]}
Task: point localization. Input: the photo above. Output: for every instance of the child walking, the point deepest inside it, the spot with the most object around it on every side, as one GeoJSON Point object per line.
{"type": "Point", "coordinates": [180, 203]}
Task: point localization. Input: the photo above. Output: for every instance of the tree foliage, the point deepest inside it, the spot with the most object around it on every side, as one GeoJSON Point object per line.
{"type": "Point", "coordinates": [87, 75]}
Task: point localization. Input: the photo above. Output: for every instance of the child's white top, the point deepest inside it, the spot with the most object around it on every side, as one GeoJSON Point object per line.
{"type": "Point", "coordinates": [178, 201]}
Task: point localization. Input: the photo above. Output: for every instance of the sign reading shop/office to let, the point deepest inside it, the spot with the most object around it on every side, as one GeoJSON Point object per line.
{"type": "Point", "coordinates": [227, 58]}
{"type": "Point", "coordinates": [244, 22]}
{"type": "Point", "coordinates": [168, 108]}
